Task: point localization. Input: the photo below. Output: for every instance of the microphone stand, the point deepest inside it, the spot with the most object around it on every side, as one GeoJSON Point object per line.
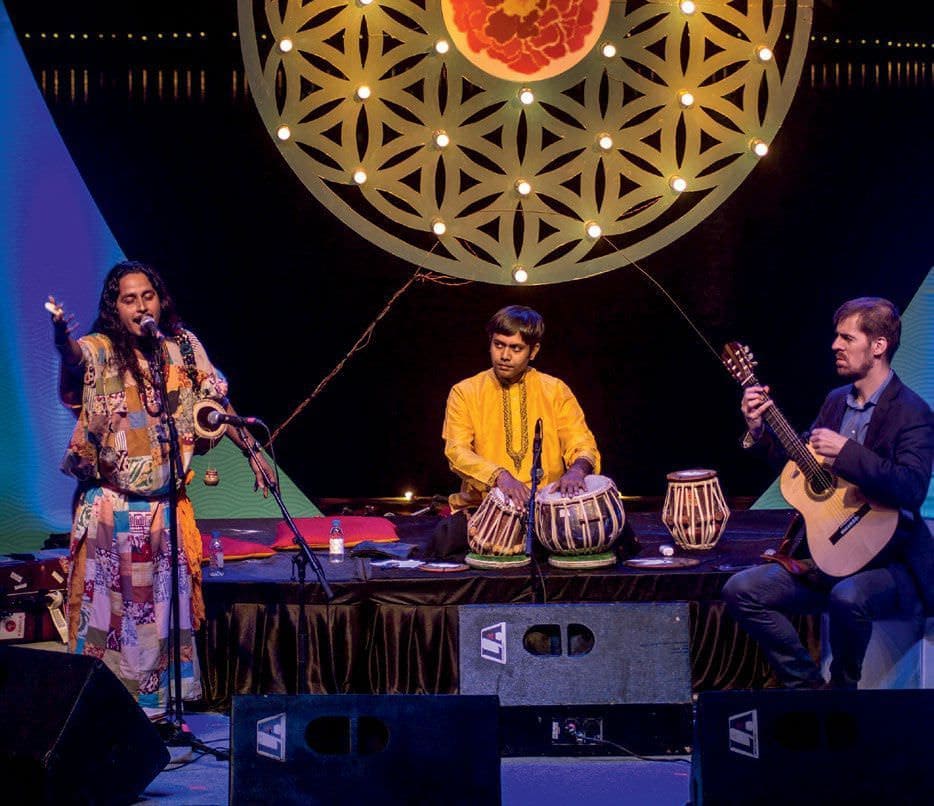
{"type": "Point", "coordinates": [181, 735]}
{"type": "Point", "coordinates": [535, 580]}
{"type": "Point", "coordinates": [302, 559]}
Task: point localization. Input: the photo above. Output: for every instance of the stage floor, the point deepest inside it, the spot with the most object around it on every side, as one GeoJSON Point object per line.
{"type": "Point", "coordinates": [195, 781]}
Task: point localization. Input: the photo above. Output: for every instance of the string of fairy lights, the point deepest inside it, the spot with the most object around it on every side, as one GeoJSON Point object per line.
{"type": "Point", "coordinates": [902, 65]}
{"type": "Point", "coordinates": [905, 44]}
{"type": "Point", "coordinates": [76, 85]}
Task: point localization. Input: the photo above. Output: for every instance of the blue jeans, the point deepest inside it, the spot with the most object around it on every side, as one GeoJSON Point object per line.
{"type": "Point", "coordinates": [760, 599]}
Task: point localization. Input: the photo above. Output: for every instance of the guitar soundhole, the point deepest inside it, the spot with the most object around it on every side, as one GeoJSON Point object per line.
{"type": "Point", "coordinates": [821, 484]}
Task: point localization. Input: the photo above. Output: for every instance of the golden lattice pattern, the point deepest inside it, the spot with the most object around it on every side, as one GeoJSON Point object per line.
{"type": "Point", "coordinates": [360, 96]}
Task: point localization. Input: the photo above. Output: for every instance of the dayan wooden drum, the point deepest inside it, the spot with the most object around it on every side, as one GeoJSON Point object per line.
{"type": "Point", "coordinates": [579, 530]}
{"type": "Point", "coordinates": [496, 533]}
{"type": "Point", "coordinates": [695, 511]}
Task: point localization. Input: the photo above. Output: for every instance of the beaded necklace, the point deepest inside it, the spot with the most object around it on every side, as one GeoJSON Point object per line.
{"type": "Point", "coordinates": [188, 356]}
{"type": "Point", "coordinates": [516, 456]}
{"type": "Point", "coordinates": [148, 395]}
{"type": "Point", "coordinates": [148, 391]}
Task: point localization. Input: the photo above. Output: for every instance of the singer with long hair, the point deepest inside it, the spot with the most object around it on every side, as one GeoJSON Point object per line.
{"type": "Point", "coordinates": [120, 574]}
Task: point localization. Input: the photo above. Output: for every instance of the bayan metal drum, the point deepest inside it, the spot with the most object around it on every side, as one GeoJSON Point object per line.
{"type": "Point", "coordinates": [496, 534]}
{"type": "Point", "coordinates": [695, 511]}
{"type": "Point", "coordinates": [579, 530]}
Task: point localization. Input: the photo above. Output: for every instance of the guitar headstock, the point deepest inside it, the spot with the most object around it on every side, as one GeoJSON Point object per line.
{"type": "Point", "coordinates": [740, 362]}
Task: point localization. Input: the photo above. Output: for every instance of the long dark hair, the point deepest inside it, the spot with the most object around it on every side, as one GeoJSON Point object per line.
{"type": "Point", "coordinates": [108, 320]}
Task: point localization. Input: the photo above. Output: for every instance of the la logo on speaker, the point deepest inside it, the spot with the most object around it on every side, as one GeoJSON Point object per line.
{"type": "Point", "coordinates": [493, 643]}
{"type": "Point", "coordinates": [744, 734]}
{"type": "Point", "coordinates": [270, 737]}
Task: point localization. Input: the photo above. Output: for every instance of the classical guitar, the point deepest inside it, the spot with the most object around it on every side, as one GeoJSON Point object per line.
{"type": "Point", "coordinates": [844, 529]}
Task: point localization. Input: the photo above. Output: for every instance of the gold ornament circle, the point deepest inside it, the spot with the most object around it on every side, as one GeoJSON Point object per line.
{"type": "Point", "coordinates": [466, 172]}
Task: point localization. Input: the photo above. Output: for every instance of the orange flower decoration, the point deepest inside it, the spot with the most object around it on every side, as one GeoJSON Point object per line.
{"type": "Point", "coordinates": [532, 39]}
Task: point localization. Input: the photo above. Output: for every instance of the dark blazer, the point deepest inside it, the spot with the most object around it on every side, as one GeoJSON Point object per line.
{"type": "Point", "coordinates": [892, 467]}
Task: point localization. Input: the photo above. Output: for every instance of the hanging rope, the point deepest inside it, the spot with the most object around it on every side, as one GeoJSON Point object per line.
{"type": "Point", "coordinates": [421, 276]}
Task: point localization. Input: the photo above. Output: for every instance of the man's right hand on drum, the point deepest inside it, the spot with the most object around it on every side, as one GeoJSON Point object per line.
{"type": "Point", "coordinates": [513, 489]}
{"type": "Point", "coordinates": [572, 482]}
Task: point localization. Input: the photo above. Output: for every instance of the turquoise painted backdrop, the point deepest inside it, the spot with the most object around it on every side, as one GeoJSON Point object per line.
{"type": "Point", "coordinates": [53, 240]}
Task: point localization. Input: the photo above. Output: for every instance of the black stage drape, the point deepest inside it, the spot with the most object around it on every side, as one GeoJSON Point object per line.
{"type": "Point", "coordinates": [395, 631]}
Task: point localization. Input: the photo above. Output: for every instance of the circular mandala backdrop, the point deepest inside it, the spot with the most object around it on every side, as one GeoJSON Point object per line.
{"type": "Point", "coordinates": [562, 137]}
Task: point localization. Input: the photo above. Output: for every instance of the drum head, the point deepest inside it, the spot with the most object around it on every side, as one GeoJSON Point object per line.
{"type": "Point", "coordinates": [695, 474]}
{"type": "Point", "coordinates": [593, 485]}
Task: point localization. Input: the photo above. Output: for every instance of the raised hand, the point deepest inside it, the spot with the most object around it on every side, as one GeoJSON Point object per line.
{"type": "Point", "coordinates": [64, 323]}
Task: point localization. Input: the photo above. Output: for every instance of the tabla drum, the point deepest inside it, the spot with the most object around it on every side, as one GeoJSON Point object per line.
{"type": "Point", "coordinates": [496, 534]}
{"type": "Point", "coordinates": [579, 530]}
{"type": "Point", "coordinates": [695, 511]}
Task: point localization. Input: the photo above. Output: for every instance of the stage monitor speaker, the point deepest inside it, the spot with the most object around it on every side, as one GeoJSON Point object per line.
{"type": "Point", "coordinates": [820, 747]}
{"type": "Point", "coordinates": [71, 732]}
{"type": "Point", "coordinates": [570, 654]}
{"type": "Point", "coordinates": [355, 748]}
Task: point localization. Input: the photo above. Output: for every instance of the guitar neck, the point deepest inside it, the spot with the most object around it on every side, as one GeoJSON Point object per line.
{"type": "Point", "coordinates": [792, 443]}
{"type": "Point", "coordinates": [739, 362]}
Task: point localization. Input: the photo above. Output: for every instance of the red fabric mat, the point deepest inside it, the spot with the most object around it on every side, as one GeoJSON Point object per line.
{"type": "Point", "coordinates": [235, 549]}
{"type": "Point", "coordinates": [356, 528]}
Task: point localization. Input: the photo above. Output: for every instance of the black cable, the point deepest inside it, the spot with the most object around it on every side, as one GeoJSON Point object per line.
{"type": "Point", "coordinates": [542, 591]}
{"type": "Point", "coordinates": [200, 753]}
{"type": "Point", "coordinates": [178, 765]}
{"type": "Point", "coordinates": [593, 740]}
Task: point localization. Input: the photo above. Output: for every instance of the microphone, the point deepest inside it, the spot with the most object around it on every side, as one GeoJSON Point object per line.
{"type": "Point", "coordinates": [537, 450]}
{"type": "Point", "coordinates": [216, 418]}
{"type": "Point", "coordinates": [150, 328]}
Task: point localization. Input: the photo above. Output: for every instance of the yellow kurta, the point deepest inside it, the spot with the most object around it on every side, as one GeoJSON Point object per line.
{"type": "Point", "coordinates": [475, 431]}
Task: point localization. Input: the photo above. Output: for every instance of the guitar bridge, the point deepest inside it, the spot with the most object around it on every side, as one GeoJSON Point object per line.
{"type": "Point", "coordinates": [849, 523]}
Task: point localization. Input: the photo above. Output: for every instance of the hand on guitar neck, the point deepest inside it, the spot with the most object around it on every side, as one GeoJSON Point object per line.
{"type": "Point", "coordinates": [755, 402]}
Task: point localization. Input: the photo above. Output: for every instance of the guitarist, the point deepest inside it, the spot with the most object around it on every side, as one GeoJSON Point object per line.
{"type": "Point", "coordinates": [878, 434]}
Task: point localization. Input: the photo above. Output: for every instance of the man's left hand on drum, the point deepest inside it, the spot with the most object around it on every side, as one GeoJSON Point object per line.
{"type": "Point", "coordinates": [513, 489]}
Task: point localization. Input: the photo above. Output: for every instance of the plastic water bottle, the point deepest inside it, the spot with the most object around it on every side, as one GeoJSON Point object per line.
{"type": "Point", "coordinates": [217, 556]}
{"type": "Point", "coordinates": [336, 542]}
